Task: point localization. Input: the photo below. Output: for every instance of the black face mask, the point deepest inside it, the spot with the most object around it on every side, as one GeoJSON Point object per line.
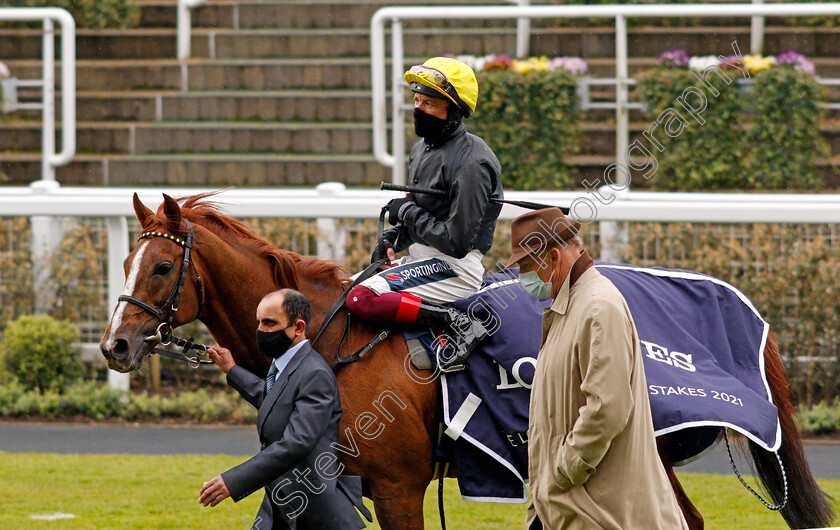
{"type": "Point", "coordinates": [273, 343]}
{"type": "Point", "coordinates": [426, 125]}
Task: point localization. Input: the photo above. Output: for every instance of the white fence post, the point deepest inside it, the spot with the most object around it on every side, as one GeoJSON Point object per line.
{"type": "Point", "coordinates": [397, 102]}
{"type": "Point", "coordinates": [331, 239]}
{"type": "Point", "coordinates": [184, 27]}
{"type": "Point", "coordinates": [613, 235]}
{"type": "Point", "coordinates": [46, 236]}
{"type": "Point", "coordinates": [184, 37]}
{"type": "Point", "coordinates": [48, 98]}
{"type": "Point", "coordinates": [757, 32]}
{"type": "Point", "coordinates": [117, 251]}
{"type": "Point", "coordinates": [523, 33]}
{"type": "Point", "coordinates": [622, 112]}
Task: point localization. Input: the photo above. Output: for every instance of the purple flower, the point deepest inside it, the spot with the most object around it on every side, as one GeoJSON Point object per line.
{"type": "Point", "coordinates": [675, 57]}
{"type": "Point", "coordinates": [797, 60]}
{"type": "Point", "coordinates": [573, 65]}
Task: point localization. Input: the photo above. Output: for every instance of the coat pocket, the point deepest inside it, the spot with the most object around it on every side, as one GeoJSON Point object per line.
{"type": "Point", "coordinates": [570, 467]}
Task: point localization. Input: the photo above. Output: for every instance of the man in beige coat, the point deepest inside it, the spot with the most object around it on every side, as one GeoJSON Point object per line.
{"type": "Point", "coordinates": [592, 453]}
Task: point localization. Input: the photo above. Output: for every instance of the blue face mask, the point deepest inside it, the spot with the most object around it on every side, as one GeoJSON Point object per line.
{"type": "Point", "coordinates": [534, 286]}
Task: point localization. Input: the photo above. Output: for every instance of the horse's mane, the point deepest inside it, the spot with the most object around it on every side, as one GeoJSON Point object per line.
{"type": "Point", "coordinates": [289, 267]}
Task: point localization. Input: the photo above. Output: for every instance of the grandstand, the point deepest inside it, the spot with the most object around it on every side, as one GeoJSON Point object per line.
{"type": "Point", "coordinates": [278, 92]}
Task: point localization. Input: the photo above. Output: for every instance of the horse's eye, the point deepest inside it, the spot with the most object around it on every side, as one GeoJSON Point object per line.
{"type": "Point", "coordinates": [163, 269]}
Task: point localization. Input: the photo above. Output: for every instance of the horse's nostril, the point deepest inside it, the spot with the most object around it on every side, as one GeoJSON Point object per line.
{"type": "Point", "coordinates": [120, 348]}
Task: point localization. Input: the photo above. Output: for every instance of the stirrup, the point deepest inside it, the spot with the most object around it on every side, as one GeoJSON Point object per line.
{"type": "Point", "coordinates": [468, 333]}
{"type": "Point", "coordinates": [446, 369]}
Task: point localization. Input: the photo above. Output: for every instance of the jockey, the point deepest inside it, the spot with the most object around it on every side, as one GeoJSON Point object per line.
{"type": "Point", "coordinates": [446, 235]}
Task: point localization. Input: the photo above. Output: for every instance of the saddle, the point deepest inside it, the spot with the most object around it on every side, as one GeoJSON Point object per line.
{"type": "Point", "coordinates": [463, 325]}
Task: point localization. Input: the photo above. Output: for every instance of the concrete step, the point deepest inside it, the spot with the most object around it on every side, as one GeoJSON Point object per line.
{"type": "Point", "coordinates": [234, 105]}
{"type": "Point", "coordinates": [159, 43]}
{"type": "Point", "coordinates": [132, 43]}
{"type": "Point", "coordinates": [200, 170]}
{"type": "Point", "coordinates": [593, 43]}
{"type": "Point", "coordinates": [96, 75]}
{"type": "Point", "coordinates": [206, 74]}
{"type": "Point", "coordinates": [202, 137]}
{"type": "Point", "coordinates": [272, 74]}
{"type": "Point", "coordinates": [303, 138]}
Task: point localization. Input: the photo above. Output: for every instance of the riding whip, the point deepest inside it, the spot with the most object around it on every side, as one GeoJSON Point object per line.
{"type": "Point", "coordinates": [429, 191]}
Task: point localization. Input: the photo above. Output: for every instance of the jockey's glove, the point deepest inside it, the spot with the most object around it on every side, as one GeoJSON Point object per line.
{"type": "Point", "coordinates": [396, 207]}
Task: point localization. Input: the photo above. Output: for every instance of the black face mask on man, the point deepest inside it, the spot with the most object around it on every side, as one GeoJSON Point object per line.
{"type": "Point", "coordinates": [426, 125]}
{"type": "Point", "coordinates": [274, 343]}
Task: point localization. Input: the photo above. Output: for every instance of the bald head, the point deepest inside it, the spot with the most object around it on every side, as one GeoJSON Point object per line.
{"type": "Point", "coordinates": [281, 309]}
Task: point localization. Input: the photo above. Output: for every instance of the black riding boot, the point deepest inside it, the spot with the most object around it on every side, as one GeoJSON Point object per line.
{"type": "Point", "coordinates": [464, 333]}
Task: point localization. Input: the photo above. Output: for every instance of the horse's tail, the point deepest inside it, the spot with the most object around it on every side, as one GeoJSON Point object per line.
{"type": "Point", "coordinates": [808, 506]}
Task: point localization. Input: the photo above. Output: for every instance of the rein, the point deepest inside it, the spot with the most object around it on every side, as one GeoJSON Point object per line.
{"type": "Point", "coordinates": [364, 275]}
{"type": "Point", "coordinates": [163, 334]}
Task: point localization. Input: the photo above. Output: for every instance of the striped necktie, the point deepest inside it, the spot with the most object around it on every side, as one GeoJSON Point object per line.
{"type": "Point", "coordinates": [269, 379]}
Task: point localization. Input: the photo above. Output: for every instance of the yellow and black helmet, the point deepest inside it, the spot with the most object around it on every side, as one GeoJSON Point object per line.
{"type": "Point", "coordinates": [446, 78]}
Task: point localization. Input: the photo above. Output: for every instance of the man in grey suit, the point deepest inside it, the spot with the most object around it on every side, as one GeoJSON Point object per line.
{"type": "Point", "coordinates": [299, 412]}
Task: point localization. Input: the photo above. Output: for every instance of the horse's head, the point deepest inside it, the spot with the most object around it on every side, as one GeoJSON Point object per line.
{"type": "Point", "coordinates": [151, 295]}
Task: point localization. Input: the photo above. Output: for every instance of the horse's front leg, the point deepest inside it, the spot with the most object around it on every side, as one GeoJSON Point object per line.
{"type": "Point", "coordinates": [398, 506]}
{"type": "Point", "coordinates": [394, 451]}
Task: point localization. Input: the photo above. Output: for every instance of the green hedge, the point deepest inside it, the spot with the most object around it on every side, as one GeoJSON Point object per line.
{"type": "Point", "coordinates": [89, 13]}
{"type": "Point", "coordinates": [531, 122]}
{"type": "Point", "coordinates": [97, 401]}
{"type": "Point", "coordinates": [785, 140]}
{"type": "Point", "coordinates": [821, 419]}
{"type": "Point", "coordinates": [767, 137]}
{"type": "Point", "coordinates": [39, 351]}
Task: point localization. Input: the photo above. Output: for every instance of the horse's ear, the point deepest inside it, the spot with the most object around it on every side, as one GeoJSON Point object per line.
{"type": "Point", "coordinates": [172, 211]}
{"type": "Point", "coordinates": [143, 214]}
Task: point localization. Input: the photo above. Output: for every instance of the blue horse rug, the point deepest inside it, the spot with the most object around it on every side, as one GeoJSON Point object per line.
{"type": "Point", "coordinates": [702, 342]}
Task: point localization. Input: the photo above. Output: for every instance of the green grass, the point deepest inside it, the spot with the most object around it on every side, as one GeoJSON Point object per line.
{"type": "Point", "coordinates": [128, 491]}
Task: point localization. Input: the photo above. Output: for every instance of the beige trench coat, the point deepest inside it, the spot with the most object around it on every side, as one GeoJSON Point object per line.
{"type": "Point", "coordinates": [592, 453]}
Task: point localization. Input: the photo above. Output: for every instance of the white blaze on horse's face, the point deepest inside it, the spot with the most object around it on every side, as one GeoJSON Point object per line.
{"type": "Point", "coordinates": [128, 289]}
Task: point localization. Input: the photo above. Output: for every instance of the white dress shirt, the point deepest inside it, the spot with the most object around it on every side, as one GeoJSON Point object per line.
{"type": "Point", "coordinates": [283, 361]}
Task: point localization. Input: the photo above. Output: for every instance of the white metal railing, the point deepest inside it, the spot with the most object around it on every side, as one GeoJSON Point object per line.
{"type": "Point", "coordinates": [184, 24]}
{"type": "Point", "coordinates": [331, 200]}
{"type": "Point", "coordinates": [49, 15]}
{"type": "Point", "coordinates": [619, 12]}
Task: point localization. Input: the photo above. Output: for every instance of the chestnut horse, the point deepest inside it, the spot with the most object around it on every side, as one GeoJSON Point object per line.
{"type": "Point", "coordinates": [389, 408]}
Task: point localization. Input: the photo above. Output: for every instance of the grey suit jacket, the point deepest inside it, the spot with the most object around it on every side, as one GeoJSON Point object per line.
{"type": "Point", "coordinates": [297, 465]}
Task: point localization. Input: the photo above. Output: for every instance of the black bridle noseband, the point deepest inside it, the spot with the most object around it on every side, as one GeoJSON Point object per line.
{"type": "Point", "coordinates": [163, 334]}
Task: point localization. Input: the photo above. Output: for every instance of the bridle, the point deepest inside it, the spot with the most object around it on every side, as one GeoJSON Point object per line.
{"type": "Point", "coordinates": [166, 314]}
